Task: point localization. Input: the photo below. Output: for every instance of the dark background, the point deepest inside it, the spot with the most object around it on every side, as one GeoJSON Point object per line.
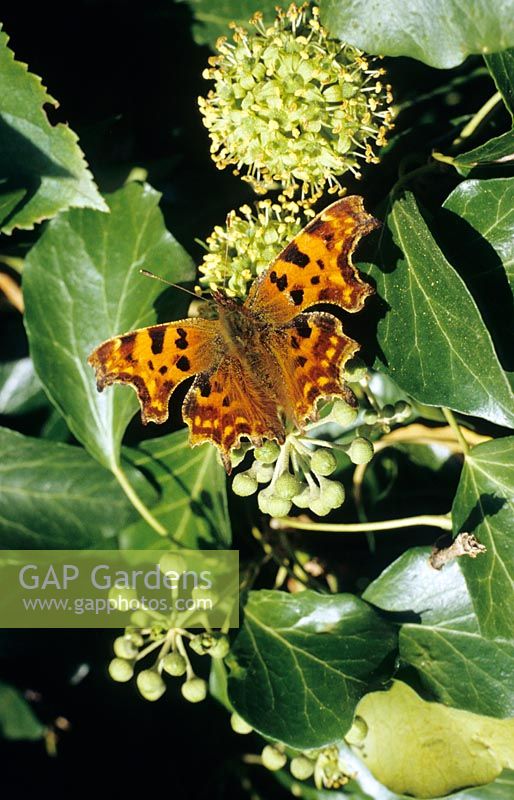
{"type": "Point", "coordinates": [127, 79]}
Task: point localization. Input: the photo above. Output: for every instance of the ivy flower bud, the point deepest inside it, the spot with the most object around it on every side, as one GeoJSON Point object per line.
{"type": "Point", "coordinates": [268, 453]}
{"type": "Point", "coordinates": [293, 108]}
{"type": "Point", "coordinates": [287, 486]}
{"type": "Point", "coordinates": [301, 768]}
{"type": "Point", "coordinates": [272, 758]}
{"type": "Point", "coordinates": [343, 414]}
{"type": "Point", "coordinates": [332, 493]}
{"type": "Point", "coordinates": [273, 505]}
{"type": "Point", "coordinates": [125, 648]}
{"type": "Point", "coordinates": [323, 462]}
{"type": "Point", "coordinates": [360, 451]}
{"type": "Point", "coordinates": [150, 684]}
{"type": "Point", "coordinates": [194, 690]}
{"type": "Point", "coordinates": [239, 725]}
{"type": "Point", "coordinates": [174, 664]}
{"type": "Point", "coordinates": [354, 370]}
{"type": "Point", "coordinates": [244, 484]}
{"type": "Point", "coordinates": [305, 497]}
{"type": "Point", "coordinates": [120, 670]}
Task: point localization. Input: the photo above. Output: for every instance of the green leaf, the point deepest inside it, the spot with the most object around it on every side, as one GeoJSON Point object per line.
{"type": "Point", "coordinates": [501, 67]}
{"type": "Point", "coordinates": [441, 35]}
{"type": "Point", "coordinates": [499, 150]}
{"type": "Point", "coordinates": [479, 216]}
{"type": "Point", "coordinates": [193, 498]}
{"type": "Point", "coordinates": [301, 662]}
{"type": "Point", "coordinates": [82, 285]}
{"type": "Point", "coordinates": [54, 496]}
{"type": "Point", "coordinates": [431, 336]}
{"type": "Point", "coordinates": [20, 388]}
{"type": "Point", "coordinates": [445, 642]}
{"type": "Point", "coordinates": [425, 749]}
{"type": "Point", "coordinates": [42, 168]}
{"type": "Point", "coordinates": [484, 506]}
{"type": "Point", "coordinates": [17, 720]}
{"type": "Point", "coordinates": [213, 17]}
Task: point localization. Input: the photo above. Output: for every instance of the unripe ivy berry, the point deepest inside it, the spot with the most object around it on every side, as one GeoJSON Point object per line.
{"type": "Point", "coordinates": [360, 451]}
{"type": "Point", "coordinates": [174, 664]}
{"type": "Point", "coordinates": [272, 758]}
{"type": "Point", "coordinates": [172, 562]}
{"type": "Point", "coordinates": [301, 768]}
{"type": "Point", "coordinates": [121, 670]}
{"type": "Point", "coordinates": [125, 648]}
{"type": "Point", "coordinates": [239, 725]}
{"type": "Point", "coordinates": [402, 409]}
{"type": "Point", "coordinates": [343, 414]}
{"type": "Point", "coordinates": [354, 370]}
{"type": "Point", "coordinates": [323, 462]}
{"type": "Point", "coordinates": [194, 690]}
{"type": "Point", "coordinates": [388, 411]}
{"type": "Point", "coordinates": [319, 507]}
{"type": "Point", "coordinates": [274, 506]}
{"type": "Point", "coordinates": [150, 684]}
{"type": "Point", "coordinates": [134, 636]}
{"type": "Point", "coordinates": [287, 486]}
{"type": "Point", "coordinates": [268, 453]}
{"type": "Point", "coordinates": [220, 648]}
{"type": "Point", "coordinates": [332, 494]}
{"type": "Point", "coordinates": [370, 416]}
{"type": "Point", "coordinates": [244, 484]}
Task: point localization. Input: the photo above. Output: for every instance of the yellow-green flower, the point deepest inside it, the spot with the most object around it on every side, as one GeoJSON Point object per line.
{"type": "Point", "coordinates": [247, 243]}
{"type": "Point", "coordinates": [292, 108]}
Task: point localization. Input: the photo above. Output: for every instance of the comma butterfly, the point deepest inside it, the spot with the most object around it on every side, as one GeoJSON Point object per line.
{"type": "Point", "coordinates": [262, 365]}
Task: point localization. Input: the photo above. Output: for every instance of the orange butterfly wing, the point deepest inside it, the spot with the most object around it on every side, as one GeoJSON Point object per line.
{"type": "Point", "coordinates": [317, 266]}
{"type": "Point", "coordinates": [155, 360]}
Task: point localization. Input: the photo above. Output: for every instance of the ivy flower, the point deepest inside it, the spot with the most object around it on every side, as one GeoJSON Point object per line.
{"type": "Point", "coordinates": [292, 108]}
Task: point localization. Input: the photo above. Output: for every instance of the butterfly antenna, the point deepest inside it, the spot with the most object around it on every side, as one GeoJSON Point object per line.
{"type": "Point", "coordinates": [228, 223]}
{"type": "Point", "coordinates": [149, 274]}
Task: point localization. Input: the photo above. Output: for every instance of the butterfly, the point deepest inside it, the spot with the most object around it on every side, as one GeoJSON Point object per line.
{"type": "Point", "coordinates": [263, 364]}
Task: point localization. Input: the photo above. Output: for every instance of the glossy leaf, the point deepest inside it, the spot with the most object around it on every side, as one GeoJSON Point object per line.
{"type": "Point", "coordinates": [430, 335]}
{"type": "Point", "coordinates": [301, 662]}
{"type": "Point", "coordinates": [192, 504]}
{"type": "Point", "coordinates": [499, 150]}
{"type": "Point", "coordinates": [54, 496]}
{"type": "Point", "coordinates": [42, 167]}
{"type": "Point", "coordinates": [501, 67]}
{"type": "Point", "coordinates": [20, 388]}
{"type": "Point", "coordinates": [17, 720]}
{"type": "Point", "coordinates": [424, 749]}
{"type": "Point", "coordinates": [213, 17]}
{"type": "Point", "coordinates": [440, 35]}
{"type": "Point", "coordinates": [82, 285]}
{"type": "Point", "coordinates": [443, 641]}
{"type": "Point", "coordinates": [484, 506]}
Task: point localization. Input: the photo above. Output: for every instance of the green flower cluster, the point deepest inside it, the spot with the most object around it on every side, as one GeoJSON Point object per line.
{"type": "Point", "coordinates": [246, 245]}
{"type": "Point", "coordinates": [151, 632]}
{"type": "Point", "coordinates": [325, 766]}
{"type": "Point", "coordinates": [292, 108]}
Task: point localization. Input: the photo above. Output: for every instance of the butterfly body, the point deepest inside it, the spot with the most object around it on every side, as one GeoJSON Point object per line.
{"type": "Point", "coordinates": [262, 365]}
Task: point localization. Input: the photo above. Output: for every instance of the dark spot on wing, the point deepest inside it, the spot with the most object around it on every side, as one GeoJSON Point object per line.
{"type": "Point", "coordinates": [157, 338]}
{"type": "Point", "coordinates": [183, 364]}
{"type": "Point", "coordinates": [300, 361]}
{"type": "Point", "coordinates": [320, 263]}
{"type": "Point", "coordinates": [126, 344]}
{"type": "Point", "coordinates": [226, 401]}
{"type": "Point", "coordinates": [273, 276]}
{"type": "Point", "coordinates": [294, 343]}
{"type": "Point", "coordinates": [282, 282]}
{"type": "Point", "coordinates": [163, 370]}
{"type": "Point", "coordinates": [315, 280]}
{"type": "Point", "coordinates": [325, 294]}
{"type": "Point", "coordinates": [295, 256]}
{"type": "Point", "coordinates": [303, 328]}
{"type": "Point", "coordinates": [204, 385]}
{"type": "Point", "coordinates": [315, 225]}
{"type": "Point", "coordinates": [297, 296]}
{"type": "Point", "coordinates": [151, 366]}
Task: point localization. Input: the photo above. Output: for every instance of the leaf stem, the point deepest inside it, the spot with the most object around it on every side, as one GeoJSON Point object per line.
{"type": "Point", "coordinates": [137, 502]}
{"type": "Point", "coordinates": [452, 422]}
{"type": "Point", "coordinates": [478, 118]}
{"type": "Point", "coordinates": [442, 521]}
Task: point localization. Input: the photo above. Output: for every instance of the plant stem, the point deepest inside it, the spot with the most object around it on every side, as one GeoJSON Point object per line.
{"type": "Point", "coordinates": [452, 422]}
{"type": "Point", "coordinates": [442, 521]}
{"type": "Point", "coordinates": [137, 502]}
{"type": "Point", "coordinates": [478, 118]}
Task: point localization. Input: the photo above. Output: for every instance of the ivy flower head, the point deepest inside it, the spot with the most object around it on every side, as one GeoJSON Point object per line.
{"type": "Point", "coordinates": [292, 108]}
{"type": "Point", "coordinates": [246, 245]}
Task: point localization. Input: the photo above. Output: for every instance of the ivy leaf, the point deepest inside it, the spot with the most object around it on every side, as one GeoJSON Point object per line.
{"type": "Point", "coordinates": [54, 496]}
{"type": "Point", "coordinates": [480, 220]}
{"type": "Point", "coordinates": [213, 17]}
{"type": "Point", "coordinates": [424, 749]}
{"type": "Point", "coordinates": [20, 388]}
{"type": "Point", "coordinates": [42, 167]}
{"type": "Point", "coordinates": [17, 720]}
{"type": "Point", "coordinates": [300, 663]}
{"type": "Point", "coordinates": [82, 285]}
{"type": "Point", "coordinates": [431, 337]}
{"type": "Point", "coordinates": [499, 150]}
{"type": "Point", "coordinates": [445, 642]}
{"type": "Point", "coordinates": [193, 499]}
{"type": "Point", "coordinates": [501, 67]}
{"type": "Point", "coordinates": [484, 506]}
{"type": "Point", "coordinates": [442, 36]}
